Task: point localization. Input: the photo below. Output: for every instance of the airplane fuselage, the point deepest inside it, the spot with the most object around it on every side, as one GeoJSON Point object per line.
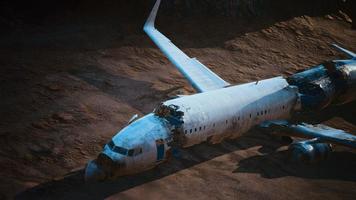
{"type": "Point", "coordinates": [211, 116]}
{"type": "Point", "coordinates": [229, 112]}
{"type": "Point", "coordinates": [220, 110]}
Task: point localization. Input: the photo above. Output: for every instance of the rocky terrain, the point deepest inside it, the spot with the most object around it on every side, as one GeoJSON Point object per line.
{"type": "Point", "coordinates": [69, 83]}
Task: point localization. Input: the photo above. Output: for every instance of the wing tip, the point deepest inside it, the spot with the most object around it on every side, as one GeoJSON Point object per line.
{"type": "Point", "coordinates": [150, 22]}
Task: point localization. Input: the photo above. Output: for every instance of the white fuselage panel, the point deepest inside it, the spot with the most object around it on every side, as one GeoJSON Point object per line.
{"type": "Point", "coordinates": [229, 112]}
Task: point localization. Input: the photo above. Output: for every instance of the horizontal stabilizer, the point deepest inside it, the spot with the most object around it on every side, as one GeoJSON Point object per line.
{"type": "Point", "coordinates": [347, 52]}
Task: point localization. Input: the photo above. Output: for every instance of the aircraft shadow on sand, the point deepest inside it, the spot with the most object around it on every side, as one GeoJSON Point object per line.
{"type": "Point", "coordinates": [272, 164]}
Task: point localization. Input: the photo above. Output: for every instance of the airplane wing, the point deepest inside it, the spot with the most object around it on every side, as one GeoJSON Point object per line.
{"type": "Point", "coordinates": [322, 132]}
{"type": "Point", "coordinates": [199, 76]}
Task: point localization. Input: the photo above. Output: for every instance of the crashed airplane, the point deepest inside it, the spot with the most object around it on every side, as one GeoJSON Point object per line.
{"type": "Point", "coordinates": [221, 111]}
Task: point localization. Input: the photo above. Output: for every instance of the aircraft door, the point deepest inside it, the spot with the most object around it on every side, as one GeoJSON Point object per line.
{"type": "Point", "coordinates": [138, 157]}
{"type": "Point", "coordinates": [160, 150]}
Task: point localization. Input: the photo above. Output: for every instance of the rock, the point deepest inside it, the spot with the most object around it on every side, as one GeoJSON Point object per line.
{"type": "Point", "coordinates": [38, 149]}
{"type": "Point", "coordinates": [298, 32]}
{"type": "Point", "coordinates": [321, 47]}
{"type": "Point", "coordinates": [230, 45]}
{"type": "Point", "coordinates": [40, 125]}
{"type": "Point", "coordinates": [108, 83]}
{"type": "Point", "coordinates": [345, 17]}
{"type": "Point", "coordinates": [63, 117]}
{"type": "Point", "coordinates": [34, 147]}
{"type": "Point", "coordinates": [53, 87]}
{"type": "Point", "coordinates": [281, 25]}
{"type": "Point", "coordinates": [329, 17]}
{"type": "Point", "coordinates": [286, 55]}
{"type": "Point", "coordinates": [266, 32]}
{"type": "Point", "coordinates": [273, 50]}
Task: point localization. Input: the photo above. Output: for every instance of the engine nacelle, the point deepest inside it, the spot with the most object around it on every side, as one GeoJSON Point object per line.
{"type": "Point", "coordinates": [329, 83]}
{"type": "Point", "coordinates": [309, 151]}
{"type": "Point", "coordinates": [348, 77]}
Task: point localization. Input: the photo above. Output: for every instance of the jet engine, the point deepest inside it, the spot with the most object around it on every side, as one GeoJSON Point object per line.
{"type": "Point", "coordinates": [309, 151]}
{"type": "Point", "coordinates": [348, 83]}
{"type": "Point", "coordinates": [332, 82]}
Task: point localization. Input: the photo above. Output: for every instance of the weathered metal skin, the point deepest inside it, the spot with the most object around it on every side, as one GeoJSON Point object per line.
{"type": "Point", "coordinates": [214, 115]}
{"type": "Point", "coordinates": [222, 111]}
{"type": "Point", "coordinates": [229, 112]}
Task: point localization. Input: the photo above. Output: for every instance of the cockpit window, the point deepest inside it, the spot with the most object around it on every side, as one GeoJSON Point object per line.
{"type": "Point", "coordinates": [111, 144]}
{"type": "Point", "coordinates": [120, 150]}
{"type": "Point", "coordinates": [117, 149]}
{"type": "Point", "coordinates": [123, 151]}
{"type": "Point", "coordinates": [134, 152]}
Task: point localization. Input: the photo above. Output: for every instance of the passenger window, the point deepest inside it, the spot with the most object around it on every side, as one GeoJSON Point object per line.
{"type": "Point", "coordinates": [195, 129]}
{"type": "Point", "coordinates": [258, 113]}
{"type": "Point", "coordinates": [185, 132]}
{"type": "Point", "coordinates": [199, 128]}
{"type": "Point", "coordinates": [265, 111]}
{"type": "Point", "coordinates": [250, 115]}
{"type": "Point", "coordinates": [191, 130]}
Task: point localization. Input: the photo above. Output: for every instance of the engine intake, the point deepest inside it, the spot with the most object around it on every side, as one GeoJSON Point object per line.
{"type": "Point", "coordinates": [309, 151]}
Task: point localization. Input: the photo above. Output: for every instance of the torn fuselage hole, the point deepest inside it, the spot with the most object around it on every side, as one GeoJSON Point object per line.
{"type": "Point", "coordinates": [171, 113]}
{"type": "Point", "coordinates": [174, 116]}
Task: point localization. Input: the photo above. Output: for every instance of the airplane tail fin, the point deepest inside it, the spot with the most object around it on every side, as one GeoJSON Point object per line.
{"type": "Point", "coordinates": [347, 52]}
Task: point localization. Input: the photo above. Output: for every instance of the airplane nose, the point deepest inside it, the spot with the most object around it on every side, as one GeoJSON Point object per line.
{"type": "Point", "coordinates": [103, 168]}
{"type": "Point", "coordinates": [94, 172]}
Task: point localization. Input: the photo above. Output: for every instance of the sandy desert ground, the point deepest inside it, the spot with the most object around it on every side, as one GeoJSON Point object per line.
{"type": "Point", "coordinates": [66, 89]}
